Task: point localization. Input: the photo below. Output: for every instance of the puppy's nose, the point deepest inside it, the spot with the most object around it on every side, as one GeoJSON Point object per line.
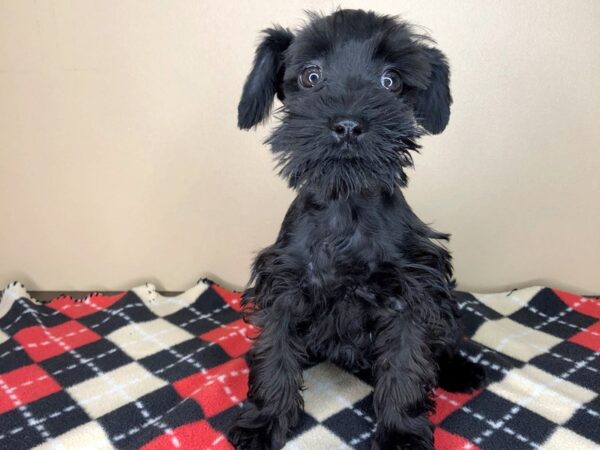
{"type": "Point", "coordinates": [347, 129]}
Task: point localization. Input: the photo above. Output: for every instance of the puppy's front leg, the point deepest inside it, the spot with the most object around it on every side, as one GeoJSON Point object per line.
{"type": "Point", "coordinates": [404, 379]}
{"type": "Point", "coordinates": [274, 398]}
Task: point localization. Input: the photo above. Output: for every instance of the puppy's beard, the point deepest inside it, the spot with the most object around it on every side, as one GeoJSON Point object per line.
{"type": "Point", "coordinates": [345, 175]}
{"type": "Point", "coordinates": [308, 155]}
{"type": "Point", "coordinates": [343, 169]}
{"type": "Point", "coordinates": [348, 150]}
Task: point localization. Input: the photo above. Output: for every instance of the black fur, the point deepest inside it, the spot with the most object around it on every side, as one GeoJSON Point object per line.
{"type": "Point", "coordinates": [265, 80]}
{"type": "Point", "coordinates": [354, 276]}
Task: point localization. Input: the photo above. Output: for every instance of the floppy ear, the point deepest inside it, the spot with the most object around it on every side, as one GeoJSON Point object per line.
{"type": "Point", "coordinates": [433, 103]}
{"type": "Point", "coordinates": [265, 78]}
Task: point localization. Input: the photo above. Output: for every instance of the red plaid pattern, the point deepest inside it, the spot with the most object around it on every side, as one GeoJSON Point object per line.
{"type": "Point", "coordinates": [75, 310]}
{"type": "Point", "coordinates": [217, 389]}
{"type": "Point", "coordinates": [139, 370]}
{"type": "Point", "coordinates": [233, 337]}
{"type": "Point", "coordinates": [194, 435]}
{"type": "Point", "coordinates": [25, 385]}
{"type": "Point", "coordinates": [584, 305]}
{"type": "Point", "coordinates": [42, 342]}
{"type": "Point", "coordinates": [589, 337]}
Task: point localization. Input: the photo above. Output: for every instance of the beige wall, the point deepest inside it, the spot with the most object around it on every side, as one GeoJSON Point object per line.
{"type": "Point", "coordinates": [120, 161]}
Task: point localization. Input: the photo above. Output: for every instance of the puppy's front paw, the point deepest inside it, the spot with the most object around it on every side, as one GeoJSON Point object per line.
{"type": "Point", "coordinates": [250, 438]}
{"type": "Point", "coordinates": [461, 375]}
{"type": "Point", "coordinates": [402, 441]}
{"type": "Point", "coordinates": [253, 431]}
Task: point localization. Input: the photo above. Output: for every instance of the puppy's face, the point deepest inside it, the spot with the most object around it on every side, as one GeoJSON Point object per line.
{"type": "Point", "coordinates": [357, 89]}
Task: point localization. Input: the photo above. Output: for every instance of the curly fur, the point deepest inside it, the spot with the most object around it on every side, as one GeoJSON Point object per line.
{"type": "Point", "coordinates": [354, 277]}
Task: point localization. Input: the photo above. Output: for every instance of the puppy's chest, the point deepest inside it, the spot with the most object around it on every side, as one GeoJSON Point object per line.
{"type": "Point", "coordinates": [339, 246]}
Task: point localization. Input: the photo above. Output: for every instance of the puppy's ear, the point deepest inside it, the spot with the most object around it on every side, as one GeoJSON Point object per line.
{"type": "Point", "coordinates": [433, 103]}
{"type": "Point", "coordinates": [265, 78]}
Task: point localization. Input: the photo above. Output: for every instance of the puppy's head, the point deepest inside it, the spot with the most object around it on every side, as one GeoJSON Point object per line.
{"type": "Point", "coordinates": [357, 90]}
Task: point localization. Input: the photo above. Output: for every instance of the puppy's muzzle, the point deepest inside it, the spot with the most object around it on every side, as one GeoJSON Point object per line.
{"type": "Point", "coordinates": [347, 130]}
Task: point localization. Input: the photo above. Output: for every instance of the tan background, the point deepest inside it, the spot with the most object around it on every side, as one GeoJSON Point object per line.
{"type": "Point", "coordinates": [120, 161]}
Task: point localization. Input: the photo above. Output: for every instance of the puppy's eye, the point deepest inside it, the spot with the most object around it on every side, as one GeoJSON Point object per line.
{"type": "Point", "coordinates": [391, 81]}
{"type": "Point", "coordinates": [310, 76]}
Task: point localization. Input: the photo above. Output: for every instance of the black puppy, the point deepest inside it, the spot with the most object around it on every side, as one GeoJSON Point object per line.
{"type": "Point", "coordinates": [354, 276]}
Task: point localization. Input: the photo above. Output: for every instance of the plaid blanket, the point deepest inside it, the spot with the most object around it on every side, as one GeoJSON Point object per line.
{"type": "Point", "coordinates": [139, 370]}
